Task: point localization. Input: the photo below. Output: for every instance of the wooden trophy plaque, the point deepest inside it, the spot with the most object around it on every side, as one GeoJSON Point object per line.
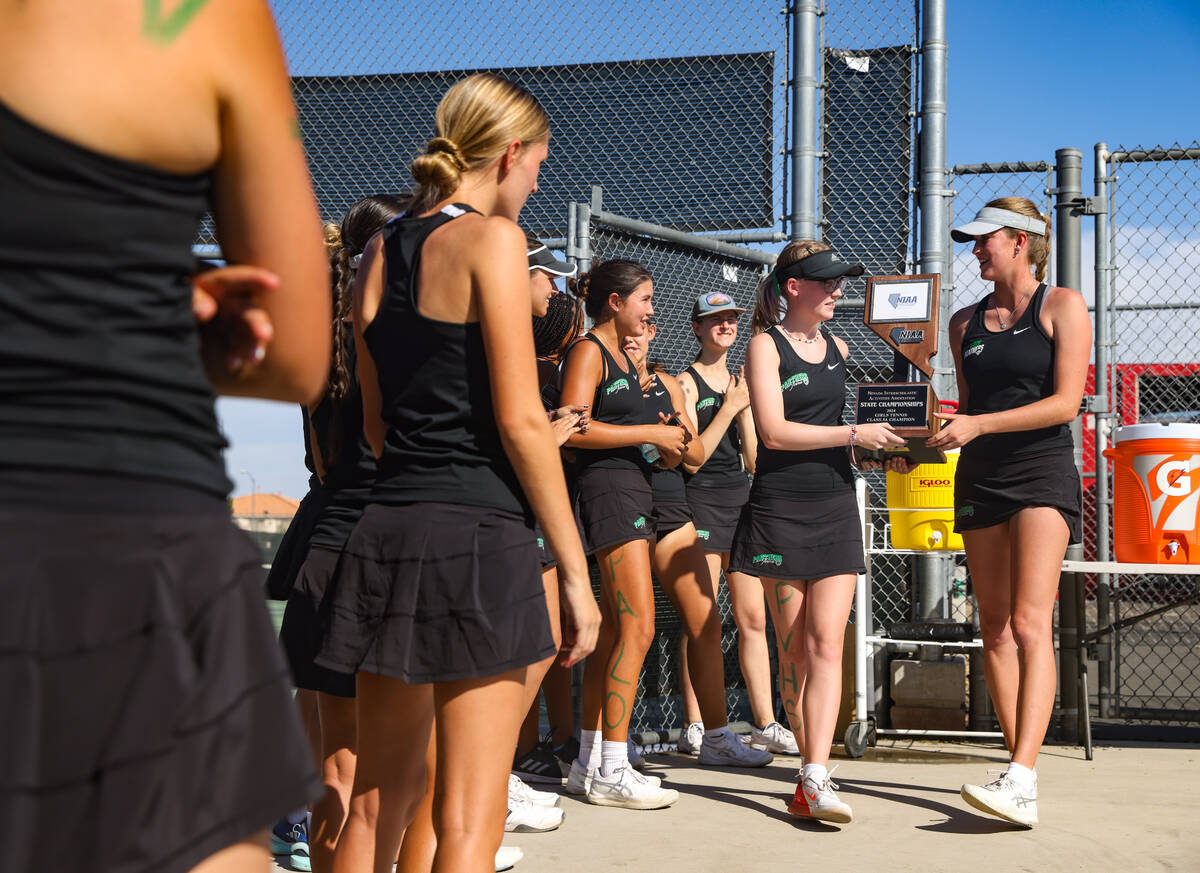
{"type": "Point", "coordinates": [903, 312]}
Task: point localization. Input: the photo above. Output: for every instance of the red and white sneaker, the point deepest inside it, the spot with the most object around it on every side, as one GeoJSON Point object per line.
{"type": "Point", "coordinates": [816, 800]}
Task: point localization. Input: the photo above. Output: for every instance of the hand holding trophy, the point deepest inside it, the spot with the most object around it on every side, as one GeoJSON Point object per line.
{"type": "Point", "coordinates": [903, 312]}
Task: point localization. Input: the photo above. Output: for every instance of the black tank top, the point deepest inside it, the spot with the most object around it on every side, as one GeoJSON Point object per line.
{"type": "Point", "coordinates": [346, 455]}
{"type": "Point", "coordinates": [100, 369]}
{"type": "Point", "coordinates": [618, 400]}
{"type": "Point", "coordinates": [723, 468]}
{"type": "Point", "coordinates": [812, 394]}
{"type": "Point", "coordinates": [667, 485]}
{"type": "Point", "coordinates": [1006, 369]}
{"type": "Point", "coordinates": [442, 444]}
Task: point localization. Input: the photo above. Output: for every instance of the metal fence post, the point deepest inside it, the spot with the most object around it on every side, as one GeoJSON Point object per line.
{"type": "Point", "coordinates": [806, 55]}
{"type": "Point", "coordinates": [933, 570]}
{"type": "Point", "coordinates": [1100, 410]}
{"type": "Point", "coordinates": [583, 236]}
{"type": "Point", "coordinates": [1068, 189]}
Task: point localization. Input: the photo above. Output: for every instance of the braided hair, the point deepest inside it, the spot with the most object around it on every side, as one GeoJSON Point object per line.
{"type": "Point", "coordinates": [344, 243]}
{"type": "Point", "coordinates": [555, 330]}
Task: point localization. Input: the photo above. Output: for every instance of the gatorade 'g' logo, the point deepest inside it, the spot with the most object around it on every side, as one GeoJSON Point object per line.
{"type": "Point", "coordinates": [705, 403]}
{"type": "Point", "coordinates": [619, 385]}
{"type": "Point", "coordinates": [794, 382]}
{"type": "Point", "coordinates": [1172, 487]}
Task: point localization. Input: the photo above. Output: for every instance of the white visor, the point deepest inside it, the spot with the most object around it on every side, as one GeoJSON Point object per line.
{"type": "Point", "coordinates": [990, 219]}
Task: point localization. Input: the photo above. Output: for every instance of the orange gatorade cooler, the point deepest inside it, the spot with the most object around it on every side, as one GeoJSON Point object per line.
{"type": "Point", "coordinates": [921, 507]}
{"type": "Point", "coordinates": [1156, 491]}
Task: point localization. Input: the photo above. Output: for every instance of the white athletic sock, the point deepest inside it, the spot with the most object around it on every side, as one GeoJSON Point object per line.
{"type": "Point", "coordinates": [1022, 775]}
{"type": "Point", "coordinates": [614, 755]}
{"type": "Point", "coordinates": [816, 772]}
{"type": "Point", "coordinates": [589, 750]}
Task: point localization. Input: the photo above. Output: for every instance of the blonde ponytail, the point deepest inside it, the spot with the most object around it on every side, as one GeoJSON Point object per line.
{"type": "Point", "coordinates": [770, 302]}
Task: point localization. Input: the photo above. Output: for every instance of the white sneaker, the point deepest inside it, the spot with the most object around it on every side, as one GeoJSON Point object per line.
{"type": "Point", "coordinates": [729, 751]}
{"type": "Point", "coordinates": [518, 790]}
{"type": "Point", "coordinates": [815, 799]}
{"type": "Point", "coordinates": [774, 738]}
{"type": "Point", "coordinates": [636, 760]}
{"type": "Point", "coordinates": [690, 738]}
{"type": "Point", "coordinates": [579, 780]}
{"type": "Point", "coordinates": [629, 789]}
{"type": "Point", "coordinates": [523, 817]}
{"type": "Point", "coordinates": [1004, 798]}
{"type": "Point", "coordinates": [507, 857]}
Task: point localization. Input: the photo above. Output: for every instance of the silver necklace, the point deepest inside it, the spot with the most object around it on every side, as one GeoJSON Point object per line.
{"type": "Point", "coordinates": [1012, 312]}
{"type": "Point", "coordinates": [801, 338]}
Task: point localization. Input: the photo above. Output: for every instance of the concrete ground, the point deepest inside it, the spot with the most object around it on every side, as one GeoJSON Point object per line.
{"type": "Point", "coordinates": [1133, 809]}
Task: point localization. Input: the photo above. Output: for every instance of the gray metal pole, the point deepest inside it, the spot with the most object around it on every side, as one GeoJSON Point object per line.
{"type": "Point", "coordinates": [1068, 187]}
{"type": "Point", "coordinates": [805, 57]}
{"type": "Point", "coordinates": [933, 571]}
{"type": "Point", "coordinates": [933, 191]}
{"type": "Point", "coordinates": [1101, 412]}
{"type": "Point", "coordinates": [583, 236]}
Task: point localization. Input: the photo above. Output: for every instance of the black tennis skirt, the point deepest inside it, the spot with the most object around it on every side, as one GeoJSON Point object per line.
{"type": "Point", "coordinates": [293, 548]}
{"type": "Point", "coordinates": [783, 538]}
{"type": "Point", "coordinates": [988, 491]}
{"type": "Point", "coordinates": [613, 506]}
{"type": "Point", "coordinates": [301, 633]}
{"type": "Point", "coordinates": [437, 592]}
{"type": "Point", "coordinates": [670, 517]}
{"type": "Point", "coordinates": [146, 716]}
{"type": "Point", "coordinates": [716, 512]}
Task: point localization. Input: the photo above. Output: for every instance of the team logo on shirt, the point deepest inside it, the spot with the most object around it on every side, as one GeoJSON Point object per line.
{"type": "Point", "coordinates": [965, 511]}
{"type": "Point", "coordinates": [767, 558]}
{"type": "Point", "coordinates": [794, 381]}
{"type": "Point", "coordinates": [975, 348]}
{"type": "Point", "coordinates": [541, 543]}
{"type": "Point", "coordinates": [619, 385]}
{"type": "Point", "coordinates": [702, 534]}
{"type": "Point", "coordinates": [705, 403]}
{"type": "Point", "coordinates": [640, 522]}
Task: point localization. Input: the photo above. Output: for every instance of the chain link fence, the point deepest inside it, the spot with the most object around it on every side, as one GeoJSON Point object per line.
{"type": "Point", "coordinates": [1153, 376]}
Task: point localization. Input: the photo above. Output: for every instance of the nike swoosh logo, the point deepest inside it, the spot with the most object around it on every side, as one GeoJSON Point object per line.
{"type": "Point", "coordinates": [1022, 330]}
{"type": "Point", "coordinates": [659, 393]}
{"type": "Point", "coordinates": [831, 366]}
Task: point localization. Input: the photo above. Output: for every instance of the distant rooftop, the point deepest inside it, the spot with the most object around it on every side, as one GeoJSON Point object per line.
{"type": "Point", "coordinates": [264, 504]}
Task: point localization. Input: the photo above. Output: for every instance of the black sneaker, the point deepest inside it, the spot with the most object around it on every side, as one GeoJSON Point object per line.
{"type": "Point", "coordinates": [540, 764]}
{"type": "Point", "coordinates": [566, 754]}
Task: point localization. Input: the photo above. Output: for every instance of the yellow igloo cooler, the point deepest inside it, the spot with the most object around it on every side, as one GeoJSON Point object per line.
{"type": "Point", "coordinates": [921, 507]}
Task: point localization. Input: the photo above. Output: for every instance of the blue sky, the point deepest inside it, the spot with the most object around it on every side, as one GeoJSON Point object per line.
{"type": "Point", "coordinates": [1025, 78]}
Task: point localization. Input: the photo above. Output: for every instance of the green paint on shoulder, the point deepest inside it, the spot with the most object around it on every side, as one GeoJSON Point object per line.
{"type": "Point", "coordinates": [166, 28]}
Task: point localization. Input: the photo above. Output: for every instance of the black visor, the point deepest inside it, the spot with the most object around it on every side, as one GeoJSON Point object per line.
{"type": "Point", "coordinates": [819, 266]}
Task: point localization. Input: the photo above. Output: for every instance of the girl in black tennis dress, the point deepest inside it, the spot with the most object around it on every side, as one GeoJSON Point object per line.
{"type": "Point", "coordinates": [147, 715]}
{"type": "Point", "coordinates": [1022, 356]}
{"type": "Point", "coordinates": [344, 467]}
{"type": "Point", "coordinates": [611, 492]}
{"type": "Point", "coordinates": [800, 532]}
{"type": "Point", "coordinates": [439, 604]}
{"type": "Point", "coordinates": [717, 489]}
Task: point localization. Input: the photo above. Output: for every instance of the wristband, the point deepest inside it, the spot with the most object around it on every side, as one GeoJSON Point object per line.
{"type": "Point", "coordinates": [853, 438]}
